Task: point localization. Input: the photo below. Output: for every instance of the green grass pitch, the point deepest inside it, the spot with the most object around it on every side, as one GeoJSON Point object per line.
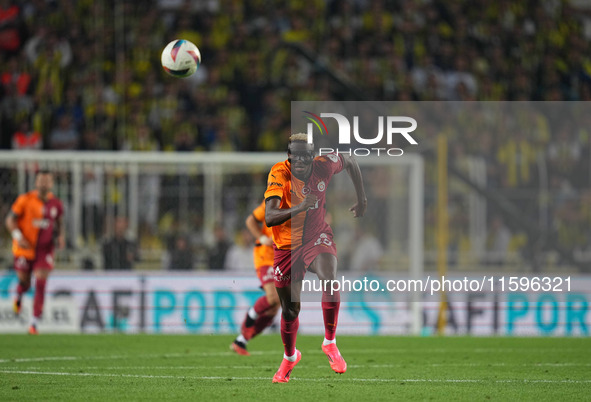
{"type": "Point", "coordinates": [185, 367]}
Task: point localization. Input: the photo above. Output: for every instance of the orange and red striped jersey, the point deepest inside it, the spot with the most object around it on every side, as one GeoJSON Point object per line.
{"type": "Point", "coordinates": [36, 219]}
{"type": "Point", "coordinates": [307, 225]}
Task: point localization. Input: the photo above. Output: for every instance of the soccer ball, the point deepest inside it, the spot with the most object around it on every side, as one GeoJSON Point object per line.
{"type": "Point", "coordinates": [180, 58]}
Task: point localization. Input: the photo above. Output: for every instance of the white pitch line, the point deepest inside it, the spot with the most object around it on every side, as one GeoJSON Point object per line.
{"type": "Point", "coordinates": [229, 353]}
{"type": "Point", "coordinates": [429, 380]}
{"type": "Point", "coordinates": [148, 367]}
{"type": "Point", "coordinates": [148, 356]}
{"type": "Point", "coordinates": [399, 365]}
{"type": "Point", "coordinates": [87, 374]}
{"type": "Point", "coordinates": [268, 352]}
{"type": "Point", "coordinates": [39, 359]}
{"type": "Point", "coordinates": [260, 366]}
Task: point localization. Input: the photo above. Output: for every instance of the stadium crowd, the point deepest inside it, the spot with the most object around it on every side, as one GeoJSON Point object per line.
{"type": "Point", "coordinates": [86, 75]}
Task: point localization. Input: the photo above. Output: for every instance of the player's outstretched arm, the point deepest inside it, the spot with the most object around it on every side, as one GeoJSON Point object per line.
{"type": "Point", "coordinates": [275, 216]}
{"type": "Point", "coordinates": [355, 174]}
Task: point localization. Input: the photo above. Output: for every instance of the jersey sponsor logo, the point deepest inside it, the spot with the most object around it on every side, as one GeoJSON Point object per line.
{"type": "Point", "coordinates": [274, 183]}
{"type": "Point", "coordinates": [278, 275]}
{"type": "Point", "coordinates": [323, 239]}
{"type": "Point", "coordinates": [333, 157]}
{"type": "Point", "coordinates": [41, 223]}
{"type": "Point", "coordinates": [268, 275]}
{"type": "Point", "coordinates": [321, 186]}
{"type": "Point", "coordinates": [306, 190]}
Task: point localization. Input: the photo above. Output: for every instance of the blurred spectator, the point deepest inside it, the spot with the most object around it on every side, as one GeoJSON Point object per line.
{"type": "Point", "coordinates": [15, 73]}
{"type": "Point", "coordinates": [460, 79]}
{"type": "Point", "coordinates": [517, 158]}
{"type": "Point", "coordinates": [46, 47]}
{"type": "Point", "coordinates": [10, 26]}
{"type": "Point", "coordinates": [224, 141]}
{"type": "Point", "coordinates": [92, 192]}
{"type": "Point", "coordinates": [26, 138]}
{"type": "Point", "coordinates": [367, 251]}
{"type": "Point", "coordinates": [90, 141]}
{"type": "Point", "coordinates": [497, 242]}
{"type": "Point", "coordinates": [197, 241]}
{"type": "Point", "coordinates": [239, 255]}
{"type": "Point", "coordinates": [234, 113]}
{"type": "Point", "coordinates": [565, 151]}
{"type": "Point", "coordinates": [183, 141]}
{"type": "Point", "coordinates": [217, 253]}
{"type": "Point", "coordinates": [181, 255]}
{"type": "Point", "coordinates": [72, 107]}
{"type": "Point", "coordinates": [119, 253]}
{"type": "Point", "coordinates": [149, 184]}
{"type": "Point", "coordinates": [14, 107]}
{"type": "Point", "coordinates": [570, 226]}
{"type": "Point", "coordinates": [64, 135]}
{"type": "Point", "coordinates": [92, 203]}
{"type": "Point", "coordinates": [103, 123]}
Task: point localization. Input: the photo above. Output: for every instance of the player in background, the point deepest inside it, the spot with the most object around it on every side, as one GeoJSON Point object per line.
{"type": "Point", "coordinates": [34, 221]}
{"type": "Point", "coordinates": [262, 313]}
{"type": "Point", "coordinates": [295, 211]}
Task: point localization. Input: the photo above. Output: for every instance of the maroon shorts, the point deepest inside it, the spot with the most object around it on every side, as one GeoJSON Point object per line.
{"type": "Point", "coordinates": [43, 260]}
{"type": "Point", "coordinates": [292, 264]}
{"type": "Point", "coordinates": [265, 274]}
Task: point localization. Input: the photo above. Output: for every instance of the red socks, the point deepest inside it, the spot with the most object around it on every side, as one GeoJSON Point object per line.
{"type": "Point", "coordinates": [289, 333]}
{"type": "Point", "coordinates": [21, 289]}
{"type": "Point", "coordinates": [261, 323]}
{"type": "Point", "coordinates": [39, 297]}
{"type": "Point", "coordinates": [261, 308]}
{"type": "Point", "coordinates": [261, 305]}
{"type": "Point", "coordinates": [330, 312]}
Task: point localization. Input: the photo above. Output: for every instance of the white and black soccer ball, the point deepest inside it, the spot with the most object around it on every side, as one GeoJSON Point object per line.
{"type": "Point", "coordinates": [180, 58]}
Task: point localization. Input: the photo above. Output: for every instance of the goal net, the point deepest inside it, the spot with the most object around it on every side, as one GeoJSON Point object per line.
{"type": "Point", "coordinates": [206, 195]}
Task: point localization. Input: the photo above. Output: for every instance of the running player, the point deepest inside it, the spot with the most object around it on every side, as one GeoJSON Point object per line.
{"type": "Point", "coordinates": [33, 221]}
{"type": "Point", "coordinates": [262, 313]}
{"type": "Point", "coordinates": [295, 196]}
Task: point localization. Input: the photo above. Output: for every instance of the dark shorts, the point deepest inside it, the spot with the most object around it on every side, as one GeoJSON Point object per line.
{"type": "Point", "coordinates": [292, 264]}
{"type": "Point", "coordinates": [43, 260]}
